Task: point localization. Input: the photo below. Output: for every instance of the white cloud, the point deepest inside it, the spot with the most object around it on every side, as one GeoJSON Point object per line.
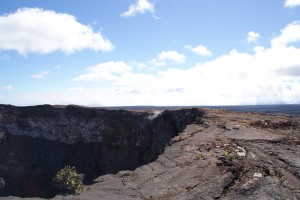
{"type": "Point", "coordinates": [8, 88]}
{"type": "Point", "coordinates": [105, 72]}
{"type": "Point", "coordinates": [40, 75]}
{"type": "Point", "coordinates": [252, 37]}
{"type": "Point", "coordinates": [268, 75]}
{"type": "Point", "coordinates": [200, 50]}
{"type": "Point", "coordinates": [292, 3]}
{"type": "Point", "coordinates": [290, 34]}
{"type": "Point", "coordinates": [34, 30]}
{"type": "Point", "coordinates": [171, 55]}
{"type": "Point", "coordinates": [165, 56]}
{"type": "Point", "coordinates": [139, 65]}
{"type": "Point", "coordinates": [140, 7]}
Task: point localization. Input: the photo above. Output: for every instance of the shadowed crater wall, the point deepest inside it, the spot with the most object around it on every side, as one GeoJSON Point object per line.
{"type": "Point", "coordinates": [38, 141]}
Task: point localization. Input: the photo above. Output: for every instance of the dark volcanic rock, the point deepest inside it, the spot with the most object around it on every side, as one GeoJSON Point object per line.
{"type": "Point", "coordinates": [219, 155]}
{"type": "Point", "coordinates": [38, 141]}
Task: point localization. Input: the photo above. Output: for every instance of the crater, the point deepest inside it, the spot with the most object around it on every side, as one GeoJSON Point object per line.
{"type": "Point", "coordinates": [37, 141]}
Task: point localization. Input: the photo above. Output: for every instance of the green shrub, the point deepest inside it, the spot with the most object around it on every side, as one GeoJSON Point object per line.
{"type": "Point", "coordinates": [229, 156]}
{"type": "Point", "coordinates": [68, 179]}
{"type": "Point", "coordinates": [198, 156]}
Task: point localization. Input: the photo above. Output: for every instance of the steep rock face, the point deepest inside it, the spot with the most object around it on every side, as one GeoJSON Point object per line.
{"type": "Point", "coordinates": [264, 163]}
{"type": "Point", "coordinates": [38, 141]}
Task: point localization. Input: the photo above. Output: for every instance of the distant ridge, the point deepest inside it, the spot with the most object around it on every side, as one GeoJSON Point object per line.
{"type": "Point", "coordinates": [286, 109]}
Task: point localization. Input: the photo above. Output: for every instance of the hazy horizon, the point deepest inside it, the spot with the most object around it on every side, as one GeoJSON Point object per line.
{"type": "Point", "coordinates": [285, 109]}
{"type": "Point", "coordinates": [149, 52]}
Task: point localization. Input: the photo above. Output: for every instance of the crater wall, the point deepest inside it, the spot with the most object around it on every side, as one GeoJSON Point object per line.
{"type": "Point", "coordinates": [37, 141]}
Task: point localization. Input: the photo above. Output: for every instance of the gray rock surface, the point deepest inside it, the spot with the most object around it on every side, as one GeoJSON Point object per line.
{"type": "Point", "coordinates": [221, 155]}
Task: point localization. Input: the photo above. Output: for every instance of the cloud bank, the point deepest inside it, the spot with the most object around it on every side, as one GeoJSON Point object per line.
{"type": "Point", "coordinates": [265, 76]}
{"type": "Point", "coordinates": [109, 71]}
{"type": "Point", "coordinates": [34, 30]}
{"type": "Point", "coordinates": [290, 34]}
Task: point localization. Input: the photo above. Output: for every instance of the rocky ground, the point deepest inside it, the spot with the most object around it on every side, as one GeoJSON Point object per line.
{"type": "Point", "coordinates": [222, 155]}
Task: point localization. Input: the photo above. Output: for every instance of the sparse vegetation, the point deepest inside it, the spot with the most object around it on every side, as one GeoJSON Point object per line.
{"type": "Point", "coordinates": [285, 124]}
{"type": "Point", "coordinates": [228, 155]}
{"type": "Point", "coordinates": [221, 138]}
{"type": "Point", "coordinates": [198, 156]}
{"type": "Point", "coordinates": [68, 179]}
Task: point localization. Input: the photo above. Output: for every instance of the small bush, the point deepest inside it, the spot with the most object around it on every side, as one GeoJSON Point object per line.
{"type": "Point", "coordinates": [229, 156]}
{"type": "Point", "coordinates": [68, 179]}
{"type": "Point", "coordinates": [198, 156]}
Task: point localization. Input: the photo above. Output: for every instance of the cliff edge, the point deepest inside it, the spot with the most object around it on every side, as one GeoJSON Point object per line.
{"type": "Point", "coordinates": [181, 155]}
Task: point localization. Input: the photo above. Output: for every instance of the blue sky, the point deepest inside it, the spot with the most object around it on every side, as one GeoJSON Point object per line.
{"type": "Point", "coordinates": [149, 52]}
